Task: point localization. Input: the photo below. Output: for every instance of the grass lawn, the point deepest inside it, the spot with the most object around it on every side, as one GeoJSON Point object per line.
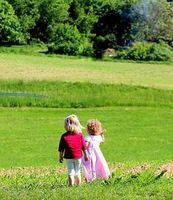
{"type": "Point", "coordinates": [29, 137]}
{"type": "Point", "coordinates": [134, 135]}
{"type": "Point", "coordinates": [42, 67]}
{"type": "Point", "coordinates": [37, 91]}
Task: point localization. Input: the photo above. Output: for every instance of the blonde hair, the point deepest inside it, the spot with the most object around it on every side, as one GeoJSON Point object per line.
{"type": "Point", "coordinates": [72, 124]}
{"type": "Point", "coordinates": [94, 127]}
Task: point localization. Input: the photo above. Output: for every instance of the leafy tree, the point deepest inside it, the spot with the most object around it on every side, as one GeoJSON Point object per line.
{"type": "Point", "coordinates": [28, 13]}
{"type": "Point", "coordinates": [113, 28]}
{"type": "Point", "coordinates": [82, 14]}
{"type": "Point", "coordinates": [153, 21]}
{"type": "Point", "coordinates": [52, 12]}
{"type": "Point", "coordinates": [10, 30]}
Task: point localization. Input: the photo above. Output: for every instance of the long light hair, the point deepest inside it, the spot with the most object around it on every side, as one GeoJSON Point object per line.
{"type": "Point", "coordinates": [72, 124]}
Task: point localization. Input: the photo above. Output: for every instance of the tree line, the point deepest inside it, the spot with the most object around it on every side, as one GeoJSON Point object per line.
{"type": "Point", "coordinates": [88, 27]}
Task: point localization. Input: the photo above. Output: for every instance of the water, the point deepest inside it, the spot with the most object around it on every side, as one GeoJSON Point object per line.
{"type": "Point", "coordinates": [20, 94]}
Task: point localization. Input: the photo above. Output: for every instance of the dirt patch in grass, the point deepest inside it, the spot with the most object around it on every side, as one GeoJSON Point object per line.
{"type": "Point", "coordinates": [31, 170]}
{"type": "Point", "coordinates": [167, 169]}
{"type": "Point", "coordinates": [138, 169]}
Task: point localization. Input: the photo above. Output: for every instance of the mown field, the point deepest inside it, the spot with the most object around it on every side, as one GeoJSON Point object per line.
{"type": "Point", "coordinates": [134, 102]}
{"type": "Point", "coordinates": [29, 136]}
{"type": "Point", "coordinates": [41, 67]}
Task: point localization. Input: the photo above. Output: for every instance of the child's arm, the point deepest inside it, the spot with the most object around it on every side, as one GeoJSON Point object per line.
{"type": "Point", "coordinates": [61, 156]}
{"type": "Point", "coordinates": [61, 149]}
{"type": "Point", "coordinates": [102, 138]}
{"type": "Point", "coordinates": [85, 155]}
{"type": "Point", "coordinates": [87, 144]}
{"type": "Point", "coordinates": [84, 148]}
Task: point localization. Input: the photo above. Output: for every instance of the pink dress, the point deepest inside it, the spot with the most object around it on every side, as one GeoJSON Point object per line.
{"type": "Point", "coordinates": [96, 167]}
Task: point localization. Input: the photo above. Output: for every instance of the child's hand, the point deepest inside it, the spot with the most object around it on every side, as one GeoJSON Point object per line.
{"type": "Point", "coordinates": [86, 158]}
{"type": "Point", "coordinates": [61, 159]}
{"type": "Point", "coordinates": [61, 156]}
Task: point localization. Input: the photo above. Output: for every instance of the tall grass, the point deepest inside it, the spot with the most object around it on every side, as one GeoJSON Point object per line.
{"type": "Point", "coordinates": [79, 95]}
{"type": "Point", "coordinates": [33, 49]}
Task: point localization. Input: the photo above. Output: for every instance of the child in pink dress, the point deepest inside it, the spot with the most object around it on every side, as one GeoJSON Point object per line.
{"type": "Point", "coordinates": [96, 167]}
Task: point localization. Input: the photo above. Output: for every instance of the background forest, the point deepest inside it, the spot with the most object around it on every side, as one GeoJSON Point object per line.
{"type": "Point", "coordinates": [128, 29]}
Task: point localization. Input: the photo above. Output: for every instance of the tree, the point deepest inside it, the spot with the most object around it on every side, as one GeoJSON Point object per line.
{"type": "Point", "coordinates": [52, 12]}
{"type": "Point", "coordinates": [153, 21]}
{"type": "Point", "coordinates": [113, 29]}
{"type": "Point", "coordinates": [10, 29]}
{"type": "Point", "coordinates": [27, 13]}
{"type": "Point", "coordinates": [82, 14]}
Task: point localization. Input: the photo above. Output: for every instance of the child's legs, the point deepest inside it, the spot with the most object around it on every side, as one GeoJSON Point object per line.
{"type": "Point", "coordinates": [73, 166]}
{"type": "Point", "coordinates": [71, 171]}
{"type": "Point", "coordinates": [77, 165]}
{"type": "Point", "coordinates": [71, 180]}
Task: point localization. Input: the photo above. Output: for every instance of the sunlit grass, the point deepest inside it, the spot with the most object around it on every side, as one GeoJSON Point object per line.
{"type": "Point", "coordinates": [137, 119]}
{"type": "Point", "coordinates": [51, 184]}
{"type": "Point", "coordinates": [39, 67]}
{"type": "Point", "coordinates": [29, 137]}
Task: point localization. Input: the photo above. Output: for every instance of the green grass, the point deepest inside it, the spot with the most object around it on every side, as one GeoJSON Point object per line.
{"type": "Point", "coordinates": [137, 118]}
{"type": "Point", "coordinates": [49, 184]}
{"type": "Point", "coordinates": [29, 137]}
{"type": "Point", "coordinates": [79, 95]}
{"type": "Point", "coordinates": [44, 67]}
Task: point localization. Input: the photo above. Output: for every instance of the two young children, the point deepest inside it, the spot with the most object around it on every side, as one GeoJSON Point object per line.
{"type": "Point", "coordinates": [78, 151]}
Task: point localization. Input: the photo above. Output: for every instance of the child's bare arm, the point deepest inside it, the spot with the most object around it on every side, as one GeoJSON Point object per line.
{"type": "Point", "coordinates": [85, 155]}
{"type": "Point", "coordinates": [87, 144]}
{"type": "Point", "coordinates": [103, 139]}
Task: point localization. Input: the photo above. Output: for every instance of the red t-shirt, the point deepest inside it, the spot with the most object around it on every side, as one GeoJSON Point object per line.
{"type": "Point", "coordinates": [72, 144]}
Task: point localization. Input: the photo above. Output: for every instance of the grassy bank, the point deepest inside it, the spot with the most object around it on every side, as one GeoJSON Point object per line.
{"type": "Point", "coordinates": [79, 95]}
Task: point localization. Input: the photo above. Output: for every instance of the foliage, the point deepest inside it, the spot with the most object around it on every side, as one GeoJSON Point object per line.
{"type": "Point", "coordinates": [114, 26]}
{"type": "Point", "coordinates": [82, 14]}
{"type": "Point", "coordinates": [96, 25]}
{"type": "Point", "coordinates": [10, 29]}
{"type": "Point", "coordinates": [67, 39]}
{"type": "Point", "coordinates": [52, 12]}
{"type": "Point", "coordinates": [147, 52]}
{"type": "Point", "coordinates": [27, 13]}
{"type": "Point", "coordinates": [152, 21]}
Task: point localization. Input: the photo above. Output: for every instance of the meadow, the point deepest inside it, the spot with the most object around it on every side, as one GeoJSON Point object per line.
{"type": "Point", "coordinates": [134, 102]}
{"type": "Point", "coordinates": [40, 67]}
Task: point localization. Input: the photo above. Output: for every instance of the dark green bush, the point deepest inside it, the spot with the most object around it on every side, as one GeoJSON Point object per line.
{"type": "Point", "coordinates": [146, 51]}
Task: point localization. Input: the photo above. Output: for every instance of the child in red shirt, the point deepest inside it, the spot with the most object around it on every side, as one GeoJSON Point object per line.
{"type": "Point", "coordinates": [71, 146]}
